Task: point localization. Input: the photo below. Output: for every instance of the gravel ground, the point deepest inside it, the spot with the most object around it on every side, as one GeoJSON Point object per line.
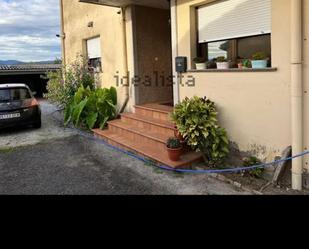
{"type": "Point", "coordinates": [77, 166]}
{"type": "Point", "coordinates": [28, 136]}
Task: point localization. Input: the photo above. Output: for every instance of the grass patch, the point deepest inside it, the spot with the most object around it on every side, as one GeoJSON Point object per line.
{"type": "Point", "coordinates": [6, 150]}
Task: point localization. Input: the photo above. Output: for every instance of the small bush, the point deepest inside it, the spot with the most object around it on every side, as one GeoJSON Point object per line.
{"type": "Point", "coordinates": [91, 108]}
{"type": "Point", "coordinates": [252, 161]}
{"type": "Point", "coordinates": [196, 120]}
{"type": "Point", "coordinates": [63, 84]}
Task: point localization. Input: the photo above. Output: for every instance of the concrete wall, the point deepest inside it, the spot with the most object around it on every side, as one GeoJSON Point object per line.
{"type": "Point", "coordinates": [254, 107]}
{"type": "Point", "coordinates": [153, 54]}
{"type": "Point", "coordinates": [107, 24]}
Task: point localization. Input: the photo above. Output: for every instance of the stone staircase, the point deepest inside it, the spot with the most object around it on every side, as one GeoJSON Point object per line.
{"type": "Point", "coordinates": [145, 132]}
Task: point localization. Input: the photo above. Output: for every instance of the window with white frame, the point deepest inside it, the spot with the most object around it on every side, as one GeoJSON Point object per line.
{"type": "Point", "coordinates": [235, 29]}
{"type": "Point", "coordinates": [94, 54]}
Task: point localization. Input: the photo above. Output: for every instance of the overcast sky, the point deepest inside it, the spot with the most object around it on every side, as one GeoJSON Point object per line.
{"type": "Point", "coordinates": [28, 30]}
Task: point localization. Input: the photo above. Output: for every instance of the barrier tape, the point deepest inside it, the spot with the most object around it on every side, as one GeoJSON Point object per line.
{"type": "Point", "coordinates": [164, 167]}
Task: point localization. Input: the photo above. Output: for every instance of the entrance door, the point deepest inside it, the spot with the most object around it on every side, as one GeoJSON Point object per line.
{"type": "Point", "coordinates": [153, 55]}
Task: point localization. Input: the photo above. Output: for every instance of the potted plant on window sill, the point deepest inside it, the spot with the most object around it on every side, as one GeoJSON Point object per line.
{"type": "Point", "coordinates": [222, 63]}
{"type": "Point", "coordinates": [200, 63]}
{"type": "Point", "coordinates": [259, 60]}
{"type": "Point", "coordinates": [244, 64]}
{"type": "Point", "coordinates": [174, 149]}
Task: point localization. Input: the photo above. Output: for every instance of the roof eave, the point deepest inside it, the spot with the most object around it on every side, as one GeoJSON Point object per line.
{"type": "Point", "coordinates": [163, 4]}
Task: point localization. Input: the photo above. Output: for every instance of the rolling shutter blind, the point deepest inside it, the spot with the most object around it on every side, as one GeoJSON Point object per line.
{"type": "Point", "coordinates": [94, 48]}
{"type": "Point", "coordinates": [230, 19]}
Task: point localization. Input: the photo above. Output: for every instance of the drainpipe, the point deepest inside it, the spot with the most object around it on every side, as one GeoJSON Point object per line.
{"type": "Point", "coordinates": [173, 6]}
{"type": "Point", "coordinates": [62, 35]}
{"type": "Point", "coordinates": [125, 57]}
{"type": "Point", "coordinates": [296, 92]}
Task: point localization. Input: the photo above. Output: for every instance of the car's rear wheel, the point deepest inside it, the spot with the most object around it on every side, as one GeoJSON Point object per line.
{"type": "Point", "coordinates": [38, 124]}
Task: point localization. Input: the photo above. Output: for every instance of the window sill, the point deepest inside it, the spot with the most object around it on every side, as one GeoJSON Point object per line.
{"type": "Point", "coordinates": [233, 70]}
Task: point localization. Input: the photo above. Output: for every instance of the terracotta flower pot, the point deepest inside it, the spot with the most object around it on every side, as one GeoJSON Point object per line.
{"type": "Point", "coordinates": [174, 154]}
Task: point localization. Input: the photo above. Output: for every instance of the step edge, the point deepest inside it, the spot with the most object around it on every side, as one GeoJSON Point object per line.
{"type": "Point", "coordinates": [144, 134]}
{"type": "Point", "coordinates": [151, 109]}
{"type": "Point", "coordinates": [156, 123]}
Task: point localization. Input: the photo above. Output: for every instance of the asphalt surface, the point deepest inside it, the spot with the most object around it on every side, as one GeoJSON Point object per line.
{"type": "Point", "coordinates": [73, 165]}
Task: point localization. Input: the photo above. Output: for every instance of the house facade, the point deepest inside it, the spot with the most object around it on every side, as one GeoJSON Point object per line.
{"type": "Point", "coordinates": [263, 110]}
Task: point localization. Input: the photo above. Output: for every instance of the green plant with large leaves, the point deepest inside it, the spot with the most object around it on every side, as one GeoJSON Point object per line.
{"type": "Point", "coordinates": [196, 120]}
{"type": "Point", "coordinates": [91, 108]}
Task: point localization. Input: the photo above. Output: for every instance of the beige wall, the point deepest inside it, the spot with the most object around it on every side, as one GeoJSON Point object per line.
{"type": "Point", "coordinates": [254, 106]}
{"type": "Point", "coordinates": [107, 24]}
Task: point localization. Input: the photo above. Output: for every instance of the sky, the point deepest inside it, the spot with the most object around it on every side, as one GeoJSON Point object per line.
{"type": "Point", "coordinates": [28, 30]}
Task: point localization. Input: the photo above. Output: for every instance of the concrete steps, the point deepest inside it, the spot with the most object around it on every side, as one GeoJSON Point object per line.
{"type": "Point", "coordinates": [145, 132]}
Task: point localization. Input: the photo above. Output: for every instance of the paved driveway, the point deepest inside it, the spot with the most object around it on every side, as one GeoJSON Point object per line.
{"type": "Point", "coordinates": [57, 161]}
{"type": "Point", "coordinates": [22, 137]}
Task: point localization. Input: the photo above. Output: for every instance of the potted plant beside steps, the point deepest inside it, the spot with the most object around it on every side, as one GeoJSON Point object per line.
{"type": "Point", "coordinates": [174, 149]}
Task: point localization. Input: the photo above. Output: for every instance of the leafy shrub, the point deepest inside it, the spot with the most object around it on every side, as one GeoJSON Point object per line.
{"type": "Point", "coordinates": [251, 161]}
{"type": "Point", "coordinates": [173, 143]}
{"type": "Point", "coordinates": [63, 84]}
{"type": "Point", "coordinates": [196, 120]}
{"type": "Point", "coordinates": [259, 56]}
{"type": "Point", "coordinates": [58, 92]}
{"type": "Point", "coordinates": [91, 108]}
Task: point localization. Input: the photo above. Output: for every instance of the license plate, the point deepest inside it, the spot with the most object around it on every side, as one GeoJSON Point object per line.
{"type": "Point", "coordinates": [9, 116]}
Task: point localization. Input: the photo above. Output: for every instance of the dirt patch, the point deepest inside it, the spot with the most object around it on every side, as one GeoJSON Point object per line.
{"type": "Point", "coordinates": [262, 184]}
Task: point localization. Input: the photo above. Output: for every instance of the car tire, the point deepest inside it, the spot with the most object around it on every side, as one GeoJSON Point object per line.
{"type": "Point", "coordinates": [38, 124]}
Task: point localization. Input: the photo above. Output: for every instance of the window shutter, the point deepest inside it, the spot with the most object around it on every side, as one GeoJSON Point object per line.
{"type": "Point", "coordinates": [94, 48]}
{"type": "Point", "coordinates": [228, 19]}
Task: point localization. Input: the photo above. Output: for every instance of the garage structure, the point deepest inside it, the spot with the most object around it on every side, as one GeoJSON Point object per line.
{"type": "Point", "coordinates": [33, 75]}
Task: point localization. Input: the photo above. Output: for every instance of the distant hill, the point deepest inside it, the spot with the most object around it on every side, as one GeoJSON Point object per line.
{"type": "Point", "coordinates": [10, 62]}
{"type": "Point", "coordinates": [15, 62]}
